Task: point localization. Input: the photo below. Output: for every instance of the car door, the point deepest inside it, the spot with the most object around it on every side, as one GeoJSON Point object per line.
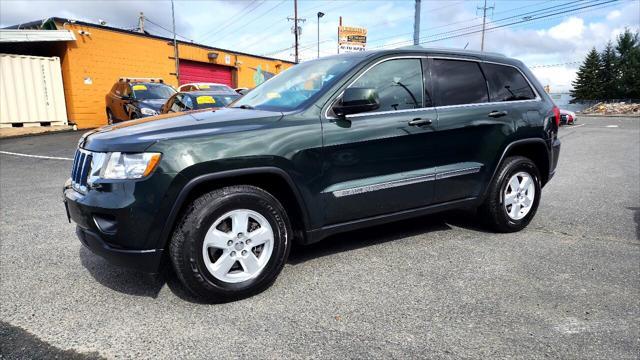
{"type": "Point", "coordinates": [470, 130]}
{"type": "Point", "coordinates": [381, 161]}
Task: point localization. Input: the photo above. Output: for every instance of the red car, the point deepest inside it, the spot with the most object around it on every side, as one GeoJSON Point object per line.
{"type": "Point", "coordinates": [567, 117]}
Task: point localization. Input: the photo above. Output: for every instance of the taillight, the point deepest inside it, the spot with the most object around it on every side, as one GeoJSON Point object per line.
{"type": "Point", "coordinates": [556, 114]}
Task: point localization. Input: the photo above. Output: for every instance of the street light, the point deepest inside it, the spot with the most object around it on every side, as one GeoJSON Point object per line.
{"type": "Point", "coordinates": [320, 14]}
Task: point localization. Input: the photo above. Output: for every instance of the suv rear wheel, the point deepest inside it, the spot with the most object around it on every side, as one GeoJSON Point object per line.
{"type": "Point", "coordinates": [513, 195]}
{"type": "Point", "coordinates": [231, 243]}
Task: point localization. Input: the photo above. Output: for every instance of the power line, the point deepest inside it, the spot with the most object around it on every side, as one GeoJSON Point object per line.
{"type": "Point", "coordinates": [240, 24]}
{"type": "Point", "coordinates": [519, 22]}
{"type": "Point", "coordinates": [165, 29]}
{"type": "Point", "coordinates": [555, 65]}
{"type": "Point", "coordinates": [229, 20]}
{"type": "Point", "coordinates": [525, 19]}
{"type": "Point", "coordinates": [477, 25]}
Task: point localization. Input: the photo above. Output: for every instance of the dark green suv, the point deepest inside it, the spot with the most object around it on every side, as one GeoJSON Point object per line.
{"type": "Point", "coordinates": [327, 146]}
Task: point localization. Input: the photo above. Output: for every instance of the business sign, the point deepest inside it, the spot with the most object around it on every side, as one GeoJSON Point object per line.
{"type": "Point", "coordinates": [351, 39]}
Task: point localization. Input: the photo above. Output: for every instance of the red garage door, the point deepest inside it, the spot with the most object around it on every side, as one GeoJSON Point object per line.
{"type": "Point", "coordinates": [193, 71]}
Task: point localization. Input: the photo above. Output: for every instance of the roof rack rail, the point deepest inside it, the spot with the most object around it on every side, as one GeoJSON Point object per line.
{"type": "Point", "coordinates": [134, 79]}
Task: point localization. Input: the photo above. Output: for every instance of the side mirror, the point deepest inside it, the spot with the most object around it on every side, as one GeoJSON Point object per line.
{"type": "Point", "coordinates": [126, 97]}
{"type": "Point", "coordinates": [357, 100]}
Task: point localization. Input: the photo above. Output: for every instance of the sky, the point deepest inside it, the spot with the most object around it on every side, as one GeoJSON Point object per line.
{"type": "Point", "coordinates": [552, 46]}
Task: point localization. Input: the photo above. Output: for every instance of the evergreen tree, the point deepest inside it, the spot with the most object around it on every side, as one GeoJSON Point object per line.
{"type": "Point", "coordinates": [628, 48]}
{"type": "Point", "coordinates": [587, 84]}
{"type": "Point", "coordinates": [609, 76]}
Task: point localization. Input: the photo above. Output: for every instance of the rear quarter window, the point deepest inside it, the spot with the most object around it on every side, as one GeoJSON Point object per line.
{"type": "Point", "coordinates": [458, 82]}
{"type": "Point", "coordinates": [506, 83]}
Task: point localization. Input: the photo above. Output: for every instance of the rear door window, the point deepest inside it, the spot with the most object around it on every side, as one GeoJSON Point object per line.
{"type": "Point", "coordinates": [398, 83]}
{"type": "Point", "coordinates": [506, 83]}
{"type": "Point", "coordinates": [458, 82]}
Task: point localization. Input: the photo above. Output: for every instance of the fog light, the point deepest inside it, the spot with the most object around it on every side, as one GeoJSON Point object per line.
{"type": "Point", "coordinates": [106, 223]}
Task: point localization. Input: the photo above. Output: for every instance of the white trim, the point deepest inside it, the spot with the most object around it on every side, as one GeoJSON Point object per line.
{"type": "Point", "coordinates": [36, 156]}
{"type": "Point", "coordinates": [403, 182]}
{"type": "Point", "coordinates": [383, 185]}
{"type": "Point", "coordinates": [458, 172]}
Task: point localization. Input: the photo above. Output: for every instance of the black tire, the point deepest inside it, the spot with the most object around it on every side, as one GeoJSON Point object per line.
{"type": "Point", "coordinates": [109, 117]}
{"type": "Point", "coordinates": [186, 244]}
{"type": "Point", "coordinates": [493, 211]}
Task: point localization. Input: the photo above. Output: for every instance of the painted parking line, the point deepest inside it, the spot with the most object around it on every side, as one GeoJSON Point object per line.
{"type": "Point", "coordinates": [577, 126]}
{"type": "Point", "coordinates": [611, 126]}
{"type": "Point", "coordinates": [36, 156]}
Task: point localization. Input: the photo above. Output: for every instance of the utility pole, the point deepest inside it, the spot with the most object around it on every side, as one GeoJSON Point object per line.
{"type": "Point", "coordinates": [141, 22]}
{"type": "Point", "coordinates": [296, 28]}
{"type": "Point", "coordinates": [175, 43]}
{"type": "Point", "coordinates": [416, 24]}
{"type": "Point", "coordinates": [320, 14]}
{"type": "Point", "coordinates": [484, 21]}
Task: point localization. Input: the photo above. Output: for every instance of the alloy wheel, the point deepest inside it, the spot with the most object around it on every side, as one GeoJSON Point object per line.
{"type": "Point", "coordinates": [238, 246]}
{"type": "Point", "coordinates": [519, 194]}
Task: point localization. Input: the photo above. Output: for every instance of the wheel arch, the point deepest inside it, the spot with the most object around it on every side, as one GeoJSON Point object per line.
{"type": "Point", "coordinates": [535, 149]}
{"type": "Point", "coordinates": [271, 179]}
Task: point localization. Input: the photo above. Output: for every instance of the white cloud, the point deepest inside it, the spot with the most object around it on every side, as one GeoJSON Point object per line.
{"type": "Point", "coordinates": [547, 41]}
{"type": "Point", "coordinates": [570, 29]}
{"type": "Point", "coordinates": [613, 15]}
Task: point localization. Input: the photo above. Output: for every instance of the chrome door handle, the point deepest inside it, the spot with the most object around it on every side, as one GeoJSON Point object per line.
{"type": "Point", "coordinates": [496, 114]}
{"type": "Point", "coordinates": [420, 122]}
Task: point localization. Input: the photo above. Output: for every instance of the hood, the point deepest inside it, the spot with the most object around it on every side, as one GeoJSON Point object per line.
{"type": "Point", "coordinates": [137, 135]}
{"type": "Point", "coordinates": [154, 104]}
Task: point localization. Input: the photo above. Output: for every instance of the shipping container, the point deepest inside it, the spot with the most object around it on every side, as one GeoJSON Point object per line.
{"type": "Point", "coordinates": [31, 91]}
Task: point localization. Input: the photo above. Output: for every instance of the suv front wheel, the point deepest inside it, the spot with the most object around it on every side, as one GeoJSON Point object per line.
{"type": "Point", "coordinates": [513, 196]}
{"type": "Point", "coordinates": [231, 243]}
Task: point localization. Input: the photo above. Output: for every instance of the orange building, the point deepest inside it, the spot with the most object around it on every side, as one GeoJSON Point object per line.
{"type": "Point", "coordinates": [100, 55]}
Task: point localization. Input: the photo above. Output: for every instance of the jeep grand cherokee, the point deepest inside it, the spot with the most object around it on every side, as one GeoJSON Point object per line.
{"type": "Point", "coordinates": [327, 146]}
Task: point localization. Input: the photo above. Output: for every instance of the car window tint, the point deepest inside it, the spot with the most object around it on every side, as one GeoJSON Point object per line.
{"type": "Point", "coordinates": [458, 82]}
{"type": "Point", "coordinates": [506, 83]}
{"type": "Point", "coordinates": [398, 83]}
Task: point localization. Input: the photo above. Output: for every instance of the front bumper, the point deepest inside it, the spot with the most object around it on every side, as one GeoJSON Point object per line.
{"type": "Point", "coordinates": [108, 229]}
{"type": "Point", "coordinates": [143, 260]}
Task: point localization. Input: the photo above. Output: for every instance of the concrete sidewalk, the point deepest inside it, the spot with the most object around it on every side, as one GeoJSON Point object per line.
{"type": "Point", "coordinates": [35, 130]}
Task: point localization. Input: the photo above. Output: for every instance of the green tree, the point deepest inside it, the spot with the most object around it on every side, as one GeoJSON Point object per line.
{"type": "Point", "coordinates": [587, 84]}
{"type": "Point", "coordinates": [609, 76]}
{"type": "Point", "coordinates": [628, 48]}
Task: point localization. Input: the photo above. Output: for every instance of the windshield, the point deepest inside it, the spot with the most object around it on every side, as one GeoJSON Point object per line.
{"type": "Point", "coordinates": [214, 101]}
{"type": "Point", "coordinates": [152, 91]}
{"type": "Point", "coordinates": [292, 88]}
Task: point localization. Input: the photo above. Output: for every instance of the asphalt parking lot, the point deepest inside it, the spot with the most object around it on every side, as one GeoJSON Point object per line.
{"type": "Point", "coordinates": [568, 286]}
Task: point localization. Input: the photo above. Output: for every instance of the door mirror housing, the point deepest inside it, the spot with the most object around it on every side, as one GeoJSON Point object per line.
{"type": "Point", "coordinates": [357, 100]}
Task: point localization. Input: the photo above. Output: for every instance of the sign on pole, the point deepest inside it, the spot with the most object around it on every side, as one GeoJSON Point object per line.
{"type": "Point", "coordinates": [351, 39]}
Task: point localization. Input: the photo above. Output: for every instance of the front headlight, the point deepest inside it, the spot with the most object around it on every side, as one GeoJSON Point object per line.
{"type": "Point", "coordinates": [129, 166]}
{"type": "Point", "coordinates": [148, 111]}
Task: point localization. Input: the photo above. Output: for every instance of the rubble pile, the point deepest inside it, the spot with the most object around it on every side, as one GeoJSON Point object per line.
{"type": "Point", "coordinates": [620, 108]}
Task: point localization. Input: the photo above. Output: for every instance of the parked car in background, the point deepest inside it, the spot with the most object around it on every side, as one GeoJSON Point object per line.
{"type": "Point", "coordinates": [205, 86]}
{"type": "Point", "coordinates": [196, 100]}
{"type": "Point", "coordinates": [330, 145]}
{"type": "Point", "coordinates": [133, 98]}
{"type": "Point", "coordinates": [567, 117]}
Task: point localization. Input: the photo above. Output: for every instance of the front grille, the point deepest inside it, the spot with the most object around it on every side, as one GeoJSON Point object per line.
{"type": "Point", "coordinates": [80, 170]}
